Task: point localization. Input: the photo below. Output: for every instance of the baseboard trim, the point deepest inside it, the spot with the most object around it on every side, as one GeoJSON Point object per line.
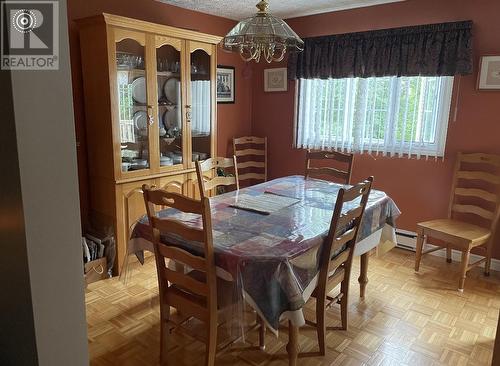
{"type": "Point", "coordinates": [406, 242]}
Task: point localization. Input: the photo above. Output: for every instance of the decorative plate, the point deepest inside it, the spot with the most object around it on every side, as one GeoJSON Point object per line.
{"type": "Point", "coordinates": [173, 118]}
{"type": "Point", "coordinates": [160, 90]}
{"type": "Point", "coordinates": [141, 120]}
{"type": "Point", "coordinates": [139, 90]}
{"type": "Point", "coordinates": [172, 89]}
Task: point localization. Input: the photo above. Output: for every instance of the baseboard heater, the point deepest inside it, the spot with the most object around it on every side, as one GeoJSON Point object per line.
{"type": "Point", "coordinates": [406, 240]}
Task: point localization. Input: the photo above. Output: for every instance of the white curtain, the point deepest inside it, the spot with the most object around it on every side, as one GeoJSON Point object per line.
{"type": "Point", "coordinates": [126, 107]}
{"type": "Point", "coordinates": [201, 107]}
{"type": "Point", "coordinates": [390, 115]}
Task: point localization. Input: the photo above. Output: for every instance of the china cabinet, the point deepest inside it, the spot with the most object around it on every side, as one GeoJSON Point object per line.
{"type": "Point", "coordinates": [150, 113]}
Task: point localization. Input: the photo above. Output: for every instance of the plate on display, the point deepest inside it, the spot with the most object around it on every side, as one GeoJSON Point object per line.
{"type": "Point", "coordinates": [161, 125]}
{"type": "Point", "coordinates": [141, 120]}
{"type": "Point", "coordinates": [172, 117]}
{"type": "Point", "coordinates": [166, 160]}
{"type": "Point", "coordinates": [172, 89]}
{"type": "Point", "coordinates": [139, 90]}
{"type": "Point", "coordinates": [161, 116]}
{"type": "Point", "coordinates": [160, 91]}
{"type": "Point", "coordinates": [138, 164]}
{"type": "Point", "coordinates": [177, 158]}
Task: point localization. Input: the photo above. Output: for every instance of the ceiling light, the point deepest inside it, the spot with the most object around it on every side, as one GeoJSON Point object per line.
{"type": "Point", "coordinates": [262, 35]}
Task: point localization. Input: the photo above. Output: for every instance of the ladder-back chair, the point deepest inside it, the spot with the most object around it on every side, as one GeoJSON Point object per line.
{"type": "Point", "coordinates": [198, 293]}
{"type": "Point", "coordinates": [475, 195]}
{"type": "Point", "coordinates": [251, 157]}
{"type": "Point", "coordinates": [208, 179]}
{"type": "Point", "coordinates": [337, 254]}
{"type": "Point", "coordinates": [341, 173]}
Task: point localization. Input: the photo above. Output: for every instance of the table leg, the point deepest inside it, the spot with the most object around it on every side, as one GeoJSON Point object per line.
{"type": "Point", "coordinates": [262, 333]}
{"type": "Point", "coordinates": [293, 344]}
{"type": "Point", "coordinates": [363, 276]}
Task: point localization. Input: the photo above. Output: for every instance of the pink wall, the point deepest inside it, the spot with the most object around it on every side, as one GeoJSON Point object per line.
{"type": "Point", "coordinates": [233, 119]}
{"type": "Point", "coordinates": [419, 187]}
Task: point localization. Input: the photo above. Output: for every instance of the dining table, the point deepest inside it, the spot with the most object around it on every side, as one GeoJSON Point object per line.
{"type": "Point", "coordinates": [272, 253]}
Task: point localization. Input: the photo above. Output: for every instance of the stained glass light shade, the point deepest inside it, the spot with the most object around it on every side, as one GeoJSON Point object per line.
{"type": "Point", "coordinates": [262, 35]}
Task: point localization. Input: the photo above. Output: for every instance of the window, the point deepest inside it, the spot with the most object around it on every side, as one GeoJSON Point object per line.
{"type": "Point", "coordinates": [389, 115]}
{"type": "Point", "coordinates": [126, 108]}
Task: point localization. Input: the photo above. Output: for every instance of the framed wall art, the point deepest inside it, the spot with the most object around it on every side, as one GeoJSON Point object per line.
{"type": "Point", "coordinates": [225, 84]}
{"type": "Point", "coordinates": [275, 80]}
{"type": "Point", "coordinates": [489, 73]}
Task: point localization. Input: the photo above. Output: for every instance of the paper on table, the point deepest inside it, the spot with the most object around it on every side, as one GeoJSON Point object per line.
{"type": "Point", "coordinates": [266, 203]}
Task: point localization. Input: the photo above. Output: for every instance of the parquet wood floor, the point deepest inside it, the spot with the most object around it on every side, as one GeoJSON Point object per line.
{"type": "Point", "coordinates": [406, 319]}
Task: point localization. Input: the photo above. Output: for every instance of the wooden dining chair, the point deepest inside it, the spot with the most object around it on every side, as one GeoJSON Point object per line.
{"type": "Point", "coordinates": [208, 179]}
{"type": "Point", "coordinates": [337, 254]}
{"type": "Point", "coordinates": [251, 157]}
{"type": "Point", "coordinates": [341, 173]}
{"type": "Point", "coordinates": [475, 195]}
{"type": "Point", "coordinates": [198, 293]}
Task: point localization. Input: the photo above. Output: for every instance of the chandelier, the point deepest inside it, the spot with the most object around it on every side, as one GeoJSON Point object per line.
{"type": "Point", "coordinates": [262, 35]}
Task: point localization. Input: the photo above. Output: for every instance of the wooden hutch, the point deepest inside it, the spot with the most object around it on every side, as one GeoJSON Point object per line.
{"type": "Point", "coordinates": [150, 112]}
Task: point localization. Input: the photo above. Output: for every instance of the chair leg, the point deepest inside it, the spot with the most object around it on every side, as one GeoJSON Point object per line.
{"type": "Point", "coordinates": [418, 252]}
{"type": "Point", "coordinates": [487, 265]}
{"type": "Point", "coordinates": [320, 324]}
{"type": "Point", "coordinates": [343, 303]}
{"type": "Point", "coordinates": [448, 254]}
{"type": "Point", "coordinates": [262, 333]}
{"type": "Point", "coordinates": [164, 332]}
{"type": "Point", "coordinates": [463, 270]}
{"type": "Point", "coordinates": [211, 342]}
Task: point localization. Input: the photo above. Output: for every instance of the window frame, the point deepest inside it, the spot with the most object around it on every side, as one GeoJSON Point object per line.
{"type": "Point", "coordinates": [393, 148]}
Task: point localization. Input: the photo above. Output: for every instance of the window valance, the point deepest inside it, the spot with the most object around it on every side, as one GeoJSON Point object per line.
{"type": "Point", "coordinates": [443, 49]}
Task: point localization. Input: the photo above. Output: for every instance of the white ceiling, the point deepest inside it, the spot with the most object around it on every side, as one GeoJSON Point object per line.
{"type": "Point", "coordinates": [239, 9]}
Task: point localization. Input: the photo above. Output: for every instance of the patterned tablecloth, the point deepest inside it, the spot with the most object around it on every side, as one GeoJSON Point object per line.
{"type": "Point", "coordinates": [274, 258]}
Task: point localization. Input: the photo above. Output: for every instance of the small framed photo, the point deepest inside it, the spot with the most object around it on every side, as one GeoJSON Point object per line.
{"type": "Point", "coordinates": [225, 84]}
{"type": "Point", "coordinates": [489, 73]}
{"type": "Point", "coordinates": [275, 80]}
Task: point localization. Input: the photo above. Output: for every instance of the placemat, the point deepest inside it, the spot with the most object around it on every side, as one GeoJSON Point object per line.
{"type": "Point", "coordinates": [266, 203]}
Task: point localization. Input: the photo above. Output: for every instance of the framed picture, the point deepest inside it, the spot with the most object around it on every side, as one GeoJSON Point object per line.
{"type": "Point", "coordinates": [489, 73]}
{"type": "Point", "coordinates": [225, 84]}
{"type": "Point", "coordinates": [275, 80]}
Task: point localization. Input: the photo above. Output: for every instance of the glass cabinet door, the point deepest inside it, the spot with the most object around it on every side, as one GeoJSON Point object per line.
{"type": "Point", "coordinates": [169, 80]}
{"type": "Point", "coordinates": [134, 115]}
{"type": "Point", "coordinates": [201, 107]}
